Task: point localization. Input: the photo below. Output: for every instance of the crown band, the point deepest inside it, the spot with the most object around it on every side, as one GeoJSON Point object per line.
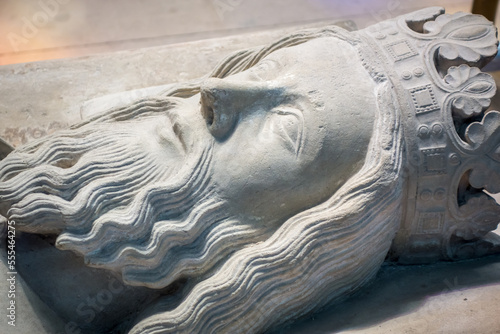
{"type": "Point", "coordinates": [452, 144]}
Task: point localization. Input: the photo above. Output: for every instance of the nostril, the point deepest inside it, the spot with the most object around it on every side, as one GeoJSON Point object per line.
{"type": "Point", "coordinates": [207, 109]}
{"type": "Point", "coordinates": [209, 115]}
{"type": "Point", "coordinates": [217, 109]}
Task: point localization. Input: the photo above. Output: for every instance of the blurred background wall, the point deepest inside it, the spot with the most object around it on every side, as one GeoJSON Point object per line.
{"type": "Point", "coordinates": [32, 30]}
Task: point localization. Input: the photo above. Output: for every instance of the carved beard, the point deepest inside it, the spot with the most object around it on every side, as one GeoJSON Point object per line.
{"type": "Point", "coordinates": [115, 204]}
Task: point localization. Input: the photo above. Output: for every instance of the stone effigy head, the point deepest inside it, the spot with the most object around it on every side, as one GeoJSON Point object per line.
{"type": "Point", "coordinates": [282, 180]}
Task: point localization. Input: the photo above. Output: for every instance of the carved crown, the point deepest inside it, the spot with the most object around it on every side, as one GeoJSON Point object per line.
{"type": "Point", "coordinates": [453, 143]}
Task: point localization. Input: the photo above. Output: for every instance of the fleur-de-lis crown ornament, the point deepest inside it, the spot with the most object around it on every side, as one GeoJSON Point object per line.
{"type": "Point", "coordinates": [433, 60]}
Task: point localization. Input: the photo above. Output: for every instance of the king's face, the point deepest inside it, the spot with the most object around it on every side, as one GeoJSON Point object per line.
{"type": "Point", "coordinates": [252, 149]}
{"type": "Point", "coordinates": [289, 131]}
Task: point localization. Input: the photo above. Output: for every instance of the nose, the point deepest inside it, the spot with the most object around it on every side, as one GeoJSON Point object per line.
{"type": "Point", "coordinates": [225, 102]}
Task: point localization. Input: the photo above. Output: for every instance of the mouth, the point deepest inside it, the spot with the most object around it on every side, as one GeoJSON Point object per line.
{"type": "Point", "coordinates": [174, 132]}
{"type": "Point", "coordinates": [179, 134]}
{"type": "Point", "coordinates": [171, 134]}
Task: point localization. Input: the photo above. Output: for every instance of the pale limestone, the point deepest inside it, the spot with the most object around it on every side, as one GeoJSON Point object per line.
{"type": "Point", "coordinates": [385, 170]}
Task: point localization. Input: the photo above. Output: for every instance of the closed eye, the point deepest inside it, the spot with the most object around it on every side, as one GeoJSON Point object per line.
{"type": "Point", "coordinates": [288, 124]}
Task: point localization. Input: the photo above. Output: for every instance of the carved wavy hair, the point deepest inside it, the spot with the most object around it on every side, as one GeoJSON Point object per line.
{"type": "Point", "coordinates": [315, 257]}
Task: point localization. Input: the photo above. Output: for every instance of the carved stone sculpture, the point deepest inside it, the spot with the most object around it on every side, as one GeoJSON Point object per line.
{"type": "Point", "coordinates": [282, 180]}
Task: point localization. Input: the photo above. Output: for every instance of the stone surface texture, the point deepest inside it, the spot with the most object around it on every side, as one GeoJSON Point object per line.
{"type": "Point", "coordinates": [276, 185]}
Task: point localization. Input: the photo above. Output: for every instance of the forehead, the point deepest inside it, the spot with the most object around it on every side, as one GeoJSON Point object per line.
{"type": "Point", "coordinates": [321, 70]}
{"type": "Point", "coordinates": [327, 53]}
{"type": "Point", "coordinates": [318, 67]}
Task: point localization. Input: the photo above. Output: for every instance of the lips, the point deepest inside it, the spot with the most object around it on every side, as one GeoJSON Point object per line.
{"type": "Point", "coordinates": [173, 133]}
{"type": "Point", "coordinates": [179, 134]}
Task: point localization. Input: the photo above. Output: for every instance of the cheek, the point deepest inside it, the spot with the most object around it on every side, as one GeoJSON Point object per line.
{"type": "Point", "coordinates": [258, 174]}
{"type": "Point", "coordinates": [255, 178]}
{"type": "Point", "coordinates": [265, 181]}
{"type": "Point", "coordinates": [255, 165]}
